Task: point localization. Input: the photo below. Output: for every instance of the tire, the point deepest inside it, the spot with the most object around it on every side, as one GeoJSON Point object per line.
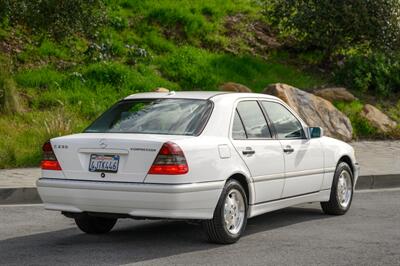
{"type": "Point", "coordinates": [342, 191]}
{"type": "Point", "coordinates": [228, 223]}
{"type": "Point", "coordinates": [95, 225]}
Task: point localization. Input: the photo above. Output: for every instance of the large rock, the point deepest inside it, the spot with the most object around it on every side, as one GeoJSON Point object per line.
{"type": "Point", "coordinates": [335, 94]}
{"type": "Point", "coordinates": [161, 89]}
{"type": "Point", "coordinates": [236, 87]}
{"type": "Point", "coordinates": [377, 119]}
{"type": "Point", "coordinates": [314, 110]}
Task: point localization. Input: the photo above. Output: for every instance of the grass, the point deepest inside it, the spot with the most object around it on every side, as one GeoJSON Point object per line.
{"type": "Point", "coordinates": [180, 45]}
{"type": "Point", "coordinates": [361, 127]}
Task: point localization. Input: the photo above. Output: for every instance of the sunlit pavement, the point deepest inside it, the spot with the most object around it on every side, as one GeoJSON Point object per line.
{"type": "Point", "coordinates": [368, 234]}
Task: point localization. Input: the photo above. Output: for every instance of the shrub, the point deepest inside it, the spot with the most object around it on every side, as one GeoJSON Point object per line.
{"type": "Point", "coordinates": [58, 18]}
{"type": "Point", "coordinates": [39, 78]}
{"type": "Point", "coordinates": [9, 100]}
{"type": "Point", "coordinates": [331, 25]}
{"type": "Point", "coordinates": [179, 23]}
{"type": "Point", "coordinates": [190, 67]}
{"type": "Point", "coordinates": [377, 73]}
{"type": "Point", "coordinates": [361, 126]}
{"type": "Point", "coordinates": [111, 73]}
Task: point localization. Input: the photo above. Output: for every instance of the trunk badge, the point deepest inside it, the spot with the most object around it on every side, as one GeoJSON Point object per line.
{"type": "Point", "coordinates": [103, 143]}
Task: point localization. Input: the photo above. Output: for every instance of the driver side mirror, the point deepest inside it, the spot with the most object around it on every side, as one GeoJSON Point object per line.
{"type": "Point", "coordinates": [315, 132]}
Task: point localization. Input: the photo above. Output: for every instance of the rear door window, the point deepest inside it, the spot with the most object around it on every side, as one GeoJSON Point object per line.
{"type": "Point", "coordinates": [253, 119]}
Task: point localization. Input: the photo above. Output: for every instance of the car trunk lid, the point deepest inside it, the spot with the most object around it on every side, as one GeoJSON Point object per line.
{"type": "Point", "coordinates": [135, 154]}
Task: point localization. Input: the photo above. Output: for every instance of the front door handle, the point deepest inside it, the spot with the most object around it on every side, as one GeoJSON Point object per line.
{"type": "Point", "coordinates": [248, 151]}
{"type": "Point", "coordinates": [288, 149]}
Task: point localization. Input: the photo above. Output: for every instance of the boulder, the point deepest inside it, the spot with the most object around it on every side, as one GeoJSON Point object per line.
{"type": "Point", "coordinates": [335, 94]}
{"type": "Point", "coordinates": [161, 90]}
{"type": "Point", "coordinates": [377, 118]}
{"type": "Point", "coordinates": [314, 110]}
{"type": "Point", "coordinates": [236, 87]}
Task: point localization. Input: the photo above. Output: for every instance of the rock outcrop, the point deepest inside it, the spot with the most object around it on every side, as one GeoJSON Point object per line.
{"type": "Point", "coordinates": [335, 94]}
{"type": "Point", "coordinates": [236, 87]}
{"type": "Point", "coordinates": [314, 110]}
{"type": "Point", "coordinates": [377, 118]}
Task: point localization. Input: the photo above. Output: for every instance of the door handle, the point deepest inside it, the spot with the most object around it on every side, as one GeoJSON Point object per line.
{"type": "Point", "coordinates": [288, 149]}
{"type": "Point", "coordinates": [248, 151]}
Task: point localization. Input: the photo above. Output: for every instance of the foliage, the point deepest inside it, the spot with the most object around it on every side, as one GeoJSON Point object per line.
{"type": "Point", "coordinates": [65, 79]}
{"type": "Point", "coordinates": [361, 127]}
{"type": "Point", "coordinates": [377, 73]}
{"type": "Point", "coordinates": [9, 100]}
{"type": "Point", "coordinates": [331, 25]}
{"type": "Point", "coordinates": [58, 18]}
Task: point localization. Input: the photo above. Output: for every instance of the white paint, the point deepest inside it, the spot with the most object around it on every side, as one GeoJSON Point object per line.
{"type": "Point", "coordinates": [212, 158]}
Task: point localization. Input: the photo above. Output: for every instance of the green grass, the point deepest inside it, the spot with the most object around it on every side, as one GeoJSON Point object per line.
{"type": "Point", "coordinates": [361, 127]}
{"type": "Point", "coordinates": [180, 45]}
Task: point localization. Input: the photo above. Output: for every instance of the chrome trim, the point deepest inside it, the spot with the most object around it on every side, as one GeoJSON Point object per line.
{"type": "Point", "coordinates": [103, 151]}
{"type": "Point", "coordinates": [129, 186]}
{"type": "Point", "coordinates": [268, 177]}
{"type": "Point", "coordinates": [292, 174]}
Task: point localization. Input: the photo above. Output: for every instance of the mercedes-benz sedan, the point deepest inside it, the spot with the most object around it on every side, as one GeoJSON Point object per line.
{"type": "Point", "coordinates": [214, 157]}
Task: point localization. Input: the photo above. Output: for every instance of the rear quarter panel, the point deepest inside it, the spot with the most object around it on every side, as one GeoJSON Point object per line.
{"type": "Point", "coordinates": [209, 159]}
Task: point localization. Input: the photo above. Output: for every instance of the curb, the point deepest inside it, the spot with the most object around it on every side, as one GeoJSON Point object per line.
{"type": "Point", "coordinates": [19, 196]}
{"type": "Point", "coordinates": [378, 181]}
{"type": "Point", "coordinates": [30, 195]}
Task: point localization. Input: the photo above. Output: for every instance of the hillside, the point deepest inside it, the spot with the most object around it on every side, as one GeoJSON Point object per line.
{"type": "Point", "coordinates": [55, 81]}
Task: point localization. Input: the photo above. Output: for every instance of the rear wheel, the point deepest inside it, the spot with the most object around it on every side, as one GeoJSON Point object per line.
{"type": "Point", "coordinates": [95, 225]}
{"type": "Point", "coordinates": [341, 191]}
{"type": "Point", "coordinates": [230, 215]}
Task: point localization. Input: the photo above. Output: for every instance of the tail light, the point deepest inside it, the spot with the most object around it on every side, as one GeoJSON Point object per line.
{"type": "Point", "coordinates": [169, 161]}
{"type": "Point", "coordinates": [49, 161]}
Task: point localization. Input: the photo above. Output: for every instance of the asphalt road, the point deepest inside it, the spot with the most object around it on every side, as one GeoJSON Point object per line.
{"type": "Point", "coordinates": [369, 234]}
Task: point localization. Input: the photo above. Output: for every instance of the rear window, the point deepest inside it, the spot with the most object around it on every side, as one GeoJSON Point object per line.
{"type": "Point", "coordinates": [154, 116]}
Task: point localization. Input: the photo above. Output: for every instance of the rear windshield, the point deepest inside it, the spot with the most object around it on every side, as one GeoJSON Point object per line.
{"type": "Point", "coordinates": [154, 116]}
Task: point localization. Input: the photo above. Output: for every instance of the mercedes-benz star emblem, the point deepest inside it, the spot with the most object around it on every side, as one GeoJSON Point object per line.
{"type": "Point", "coordinates": [103, 143]}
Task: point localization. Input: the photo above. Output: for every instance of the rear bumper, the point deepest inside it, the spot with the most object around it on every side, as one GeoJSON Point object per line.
{"type": "Point", "coordinates": [176, 201]}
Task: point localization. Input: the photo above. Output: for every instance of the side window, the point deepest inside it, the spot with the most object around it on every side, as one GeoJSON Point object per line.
{"type": "Point", "coordinates": [253, 120]}
{"type": "Point", "coordinates": [237, 128]}
{"type": "Point", "coordinates": [287, 126]}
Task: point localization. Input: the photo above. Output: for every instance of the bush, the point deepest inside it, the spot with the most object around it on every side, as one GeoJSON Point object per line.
{"type": "Point", "coordinates": [377, 73]}
{"type": "Point", "coordinates": [111, 73]}
{"type": "Point", "coordinates": [361, 127]}
{"type": "Point", "coordinates": [191, 68]}
{"type": "Point", "coordinates": [181, 23]}
{"type": "Point", "coordinates": [58, 18]}
{"type": "Point", "coordinates": [39, 78]}
{"type": "Point", "coordinates": [331, 25]}
{"type": "Point", "coordinates": [9, 100]}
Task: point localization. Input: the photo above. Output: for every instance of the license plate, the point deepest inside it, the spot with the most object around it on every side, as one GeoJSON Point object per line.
{"type": "Point", "coordinates": [103, 163]}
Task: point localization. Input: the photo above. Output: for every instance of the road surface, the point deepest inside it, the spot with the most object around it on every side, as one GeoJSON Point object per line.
{"type": "Point", "coordinates": [369, 234]}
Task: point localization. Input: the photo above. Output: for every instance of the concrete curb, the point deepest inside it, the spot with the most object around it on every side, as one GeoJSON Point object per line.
{"type": "Point", "coordinates": [30, 195]}
{"type": "Point", "coordinates": [19, 196]}
{"type": "Point", "coordinates": [378, 181]}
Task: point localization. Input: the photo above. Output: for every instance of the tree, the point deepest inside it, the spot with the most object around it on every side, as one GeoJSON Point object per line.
{"type": "Point", "coordinates": [330, 25]}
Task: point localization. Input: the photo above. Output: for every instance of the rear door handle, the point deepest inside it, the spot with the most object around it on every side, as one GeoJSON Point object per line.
{"type": "Point", "coordinates": [248, 151]}
{"type": "Point", "coordinates": [288, 149]}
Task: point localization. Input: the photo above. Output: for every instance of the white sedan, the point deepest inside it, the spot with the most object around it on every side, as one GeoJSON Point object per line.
{"type": "Point", "coordinates": [214, 157]}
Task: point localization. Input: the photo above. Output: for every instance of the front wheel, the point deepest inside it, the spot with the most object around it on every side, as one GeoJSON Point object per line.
{"type": "Point", "coordinates": [341, 191]}
{"type": "Point", "coordinates": [95, 225]}
{"type": "Point", "coordinates": [230, 215]}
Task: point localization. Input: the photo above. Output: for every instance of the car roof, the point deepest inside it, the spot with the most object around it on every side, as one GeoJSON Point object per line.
{"type": "Point", "coordinates": [201, 95]}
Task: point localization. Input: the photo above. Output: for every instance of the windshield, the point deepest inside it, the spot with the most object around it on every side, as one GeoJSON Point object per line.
{"type": "Point", "coordinates": [154, 116]}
